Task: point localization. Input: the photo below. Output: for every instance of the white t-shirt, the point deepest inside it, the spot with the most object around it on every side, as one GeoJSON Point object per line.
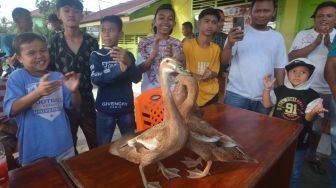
{"type": "Point", "coordinates": [258, 54]}
{"type": "Point", "coordinates": [318, 57]}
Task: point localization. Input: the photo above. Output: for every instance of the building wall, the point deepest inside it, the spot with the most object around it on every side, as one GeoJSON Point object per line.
{"type": "Point", "coordinates": [183, 9]}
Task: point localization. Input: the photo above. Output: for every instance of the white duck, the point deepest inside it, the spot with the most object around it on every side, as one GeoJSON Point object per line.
{"type": "Point", "coordinates": [162, 140]}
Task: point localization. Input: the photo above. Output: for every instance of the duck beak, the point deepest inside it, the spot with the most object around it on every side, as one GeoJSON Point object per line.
{"type": "Point", "coordinates": [182, 71]}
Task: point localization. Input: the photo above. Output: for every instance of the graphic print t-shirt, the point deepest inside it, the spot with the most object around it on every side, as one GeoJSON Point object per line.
{"type": "Point", "coordinates": [291, 105]}
{"type": "Point", "coordinates": [43, 129]}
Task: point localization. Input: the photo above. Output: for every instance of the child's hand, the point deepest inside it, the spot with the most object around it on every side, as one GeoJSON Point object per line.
{"type": "Point", "coordinates": [319, 107]}
{"type": "Point", "coordinates": [71, 81]}
{"type": "Point", "coordinates": [122, 58]}
{"type": "Point", "coordinates": [268, 82]}
{"type": "Point", "coordinates": [168, 52]}
{"type": "Point", "coordinates": [155, 48]}
{"type": "Point", "coordinates": [208, 74]}
{"type": "Point", "coordinates": [46, 87]}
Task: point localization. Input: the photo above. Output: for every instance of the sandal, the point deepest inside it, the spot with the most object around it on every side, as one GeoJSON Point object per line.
{"type": "Point", "coordinates": [317, 167]}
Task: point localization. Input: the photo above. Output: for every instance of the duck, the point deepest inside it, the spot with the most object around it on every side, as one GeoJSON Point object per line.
{"type": "Point", "coordinates": [204, 140]}
{"type": "Point", "coordinates": [161, 140]}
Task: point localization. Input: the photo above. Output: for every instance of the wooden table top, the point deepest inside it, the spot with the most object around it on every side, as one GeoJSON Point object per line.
{"type": "Point", "coordinates": [263, 138]}
{"type": "Point", "coordinates": [45, 173]}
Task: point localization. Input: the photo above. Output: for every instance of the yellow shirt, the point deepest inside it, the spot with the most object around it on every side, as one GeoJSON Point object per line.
{"type": "Point", "coordinates": [198, 59]}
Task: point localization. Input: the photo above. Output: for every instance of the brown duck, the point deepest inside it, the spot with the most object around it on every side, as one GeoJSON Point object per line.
{"type": "Point", "coordinates": [207, 142]}
{"type": "Point", "coordinates": [162, 140]}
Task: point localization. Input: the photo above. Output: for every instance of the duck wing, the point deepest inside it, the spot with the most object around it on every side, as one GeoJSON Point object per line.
{"type": "Point", "coordinates": [149, 139]}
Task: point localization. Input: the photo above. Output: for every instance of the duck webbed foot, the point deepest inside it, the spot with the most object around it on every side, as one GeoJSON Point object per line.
{"type": "Point", "coordinates": [196, 173]}
{"type": "Point", "coordinates": [145, 182]}
{"type": "Point", "coordinates": [168, 173]}
{"type": "Point", "coordinates": [154, 184]}
{"type": "Point", "coordinates": [191, 163]}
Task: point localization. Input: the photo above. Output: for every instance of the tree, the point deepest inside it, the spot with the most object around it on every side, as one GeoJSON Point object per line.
{"type": "Point", "coordinates": [6, 26]}
{"type": "Point", "coordinates": [46, 7]}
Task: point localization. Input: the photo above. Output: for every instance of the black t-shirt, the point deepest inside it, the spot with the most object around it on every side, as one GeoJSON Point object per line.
{"type": "Point", "coordinates": [291, 105]}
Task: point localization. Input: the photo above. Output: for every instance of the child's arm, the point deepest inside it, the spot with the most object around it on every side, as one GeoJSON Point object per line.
{"type": "Point", "coordinates": [127, 60]}
{"type": "Point", "coordinates": [266, 97]}
{"type": "Point", "coordinates": [101, 76]}
{"type": "Point", "coordinates": [71, 81]}
{"type": "Point", "coordinates": [44, 88]}
{"type": "Point", "coordinates": [310, 115]}
{"type": "Point", "coordinates": [143, 67]}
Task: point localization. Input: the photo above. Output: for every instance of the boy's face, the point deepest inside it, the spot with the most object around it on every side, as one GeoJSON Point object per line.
{"type": "Point", "coordinates": [25, 23]}
{"type": "Point", "coordinates": [70, 16]}
{"type": "Point", "coordinates": [34, 56]}
{"type": "Point", "coordinates": [208, 25]}
{"type": "Point", "coordinates": [164, 22]}
{"type": "Point", "coordinates": [325, 19]}
{"type": "Point", "coordinates": [298, 75]}
{"type": "Point", "coordinates": [262, 12]}
{"type": "Point", "coordinates": [186, 31]}
{"type": "Point", "coordinates": [110, 34]}
{"type": "Point", "coordinates": [221, 23]}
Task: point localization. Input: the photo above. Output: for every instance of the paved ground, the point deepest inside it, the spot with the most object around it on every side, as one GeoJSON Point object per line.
{"type": "Point", "coordinates": [309, 178]}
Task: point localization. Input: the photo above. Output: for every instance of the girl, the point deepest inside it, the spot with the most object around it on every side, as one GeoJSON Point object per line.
{"type": "Point", "coordinates": [153, 49]}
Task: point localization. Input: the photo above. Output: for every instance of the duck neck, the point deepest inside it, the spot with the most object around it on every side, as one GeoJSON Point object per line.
{"type": "Point", "coordinates": [189, 102]}
{"type": "Point", "coordinates": [170, 111]}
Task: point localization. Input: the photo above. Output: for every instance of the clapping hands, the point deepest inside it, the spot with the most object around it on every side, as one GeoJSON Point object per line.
{"type": "Point", "coordinates": [121, 55]}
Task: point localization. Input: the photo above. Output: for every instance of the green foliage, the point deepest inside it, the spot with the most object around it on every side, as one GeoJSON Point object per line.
{"type": "Point", "coordinates": [6, 26]}
{"type": "Point", "coordinates": [46, 7]}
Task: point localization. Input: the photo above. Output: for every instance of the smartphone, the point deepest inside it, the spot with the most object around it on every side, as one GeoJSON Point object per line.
{"type": "Point", "coordinates": [238, 22]}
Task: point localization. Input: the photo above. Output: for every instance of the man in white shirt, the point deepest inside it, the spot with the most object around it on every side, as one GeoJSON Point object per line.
{"type": "Point", "coordinates": [253, 53]}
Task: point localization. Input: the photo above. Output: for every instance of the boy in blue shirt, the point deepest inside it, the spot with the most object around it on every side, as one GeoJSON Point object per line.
{"type": "Point", "coordinates": [113, 70]}
{"type": "Point", "coordinates": [36, 98]}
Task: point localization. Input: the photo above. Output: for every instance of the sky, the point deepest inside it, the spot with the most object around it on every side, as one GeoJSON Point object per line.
{"type": "Point", "coordinates": [91, 5]}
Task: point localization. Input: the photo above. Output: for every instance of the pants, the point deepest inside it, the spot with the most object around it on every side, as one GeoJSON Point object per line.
{"type": "Point", "coordinates": [87, 122]}
{"type": "Point", "coordinates": [239, 101]}
{"type": "Point", "coordinates": [106, 125]}
{"type": "Point", "coordinates": [297, 167]}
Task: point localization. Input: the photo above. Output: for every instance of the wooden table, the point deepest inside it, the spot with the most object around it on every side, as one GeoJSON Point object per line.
{"type": "Point", "coordinates": [45, 173]}
{"type": "Point", "coordinates": [271, 141]}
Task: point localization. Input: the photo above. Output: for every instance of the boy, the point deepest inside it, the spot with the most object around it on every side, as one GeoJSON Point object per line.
{"type": "Point", "coordinates": [54, 24]}
{"type": "Point", "coordinates": [295, 101]}
{"type": "Point", "coordinates": [70, 51]}
{"type": "Point", "coordinates": [252, 53]}
{"type": "Point", "coordinates": [113, 70]}
{"type": "Point", "coordinates": [187, 31]}
{"type": "Point", "coordinates": [36, 98]}
{"type": "Point", "coordinates": [314, 44]}
{"type": "Point", "coordinates": [202, 57]}
{"type": "Point", "coordinates": [24, 23]}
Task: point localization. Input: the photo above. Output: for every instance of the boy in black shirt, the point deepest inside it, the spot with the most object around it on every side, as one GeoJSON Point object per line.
{"type": "Point", "coordinates": [295, 101]}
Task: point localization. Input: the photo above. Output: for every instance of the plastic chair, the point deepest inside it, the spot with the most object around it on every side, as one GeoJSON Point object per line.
{"type": "Point", "coordinates": [148, 109]}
